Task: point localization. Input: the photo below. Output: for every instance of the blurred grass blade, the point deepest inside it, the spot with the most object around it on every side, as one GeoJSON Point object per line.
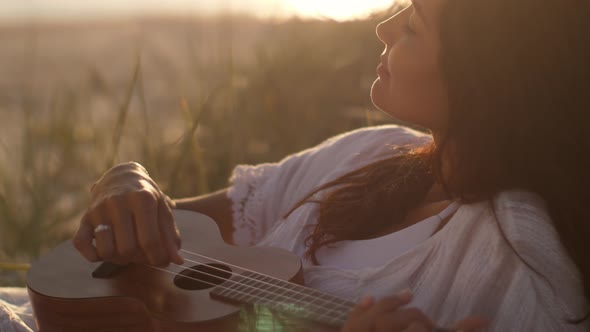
{"type": "Point", "coordinates": [122, 117]}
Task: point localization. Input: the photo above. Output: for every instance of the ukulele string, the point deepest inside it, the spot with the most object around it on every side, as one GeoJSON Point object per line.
{"type": "Point", "coordinates": [264, 299]}
{"type": "Point", "coordinates": [347, 305]}
{"type": "Point", "coordinates": [278, 304]}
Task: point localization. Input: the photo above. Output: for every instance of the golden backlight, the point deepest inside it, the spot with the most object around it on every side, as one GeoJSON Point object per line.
{"type": "Point", "coordinates": [336, 9]}
{"type": "Point", "coordinates": [80, 9]}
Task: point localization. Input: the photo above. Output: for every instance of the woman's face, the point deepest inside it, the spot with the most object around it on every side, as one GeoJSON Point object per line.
{"type": "Point", "coordinates": [410, 85]}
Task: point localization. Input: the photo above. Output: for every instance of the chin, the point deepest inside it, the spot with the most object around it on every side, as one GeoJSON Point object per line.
{"type": "Point", "coordinates": [377, 96]}
{"type": "Point", "coordinates": [384, 101]}
{"type": "Point", "coordinates": [403, 108]}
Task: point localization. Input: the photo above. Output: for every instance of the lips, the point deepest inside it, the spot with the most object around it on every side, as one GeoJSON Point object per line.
{"type": "Point", "coordinates": [382, 70]}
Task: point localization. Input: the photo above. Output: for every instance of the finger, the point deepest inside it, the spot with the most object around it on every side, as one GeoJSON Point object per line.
{"type": "Point", "coordinates": [170, 235]}
{"type": "Point", "coordinates": [105, 241]}
{"type": "Point", "coordinates": [362, 306]}
{"type": "Point", "coordinates": [473, 323]}
{"type": "Point", "coordinates": [355, 321]}
{"type": "Point", "coordinates": [384, 307]}
{"type": "Point", "coordinates": [402, 319]}
{"type": "Point", "coordinates": [392, 303]}
{"type": "Point", "coordinates": [124, 232]}
{"type": "Point", "coordinates": [148, 233]}
{"type": "Point", "coordinates": [83, 240]}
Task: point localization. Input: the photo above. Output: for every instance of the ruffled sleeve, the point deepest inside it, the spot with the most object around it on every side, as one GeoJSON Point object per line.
{"type": "Point", "coordinates": [247, 194]}
{"type": "Point", "coordinates": [262, 194]}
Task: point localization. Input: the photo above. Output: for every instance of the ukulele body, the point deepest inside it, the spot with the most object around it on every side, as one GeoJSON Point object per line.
{"type": "Point", "coordinates": [67, 298]}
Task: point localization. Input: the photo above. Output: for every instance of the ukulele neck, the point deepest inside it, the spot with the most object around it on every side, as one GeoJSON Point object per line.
{"type": "Point", "coordinates": [302, 302]}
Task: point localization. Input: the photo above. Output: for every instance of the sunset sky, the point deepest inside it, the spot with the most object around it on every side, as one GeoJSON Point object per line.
{"type": "Point", "coordinates": [19, 10]}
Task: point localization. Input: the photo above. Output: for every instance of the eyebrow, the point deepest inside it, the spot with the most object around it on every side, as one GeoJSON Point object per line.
{"type": "Point", "coordinates": [420, 11]}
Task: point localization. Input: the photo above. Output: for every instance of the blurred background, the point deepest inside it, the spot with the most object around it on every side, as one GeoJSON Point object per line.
{"type": "Point", "coordinates": [188, 88]}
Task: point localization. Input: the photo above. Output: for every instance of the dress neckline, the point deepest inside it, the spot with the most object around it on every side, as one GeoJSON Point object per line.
{"type": "Point", "coordinates": [375, 252]}
{"type": "Point", "coordinates": [434, 219]}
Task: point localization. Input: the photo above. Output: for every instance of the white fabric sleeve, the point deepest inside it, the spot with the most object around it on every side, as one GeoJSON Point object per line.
{"type": "Point", "coordinates": [261, 195]}
{"type": "Point", "coordinates": [258, 191]}
{"type": "Point", "coordinates": [553, 290]}
{"type": "Point", "coordinates": [247, 196]}
{"type": "Point", "coordinates": [524, 307]}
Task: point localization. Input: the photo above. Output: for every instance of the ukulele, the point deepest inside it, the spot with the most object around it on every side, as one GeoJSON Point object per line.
{"type": "Point", "coordinates": [220, 287]}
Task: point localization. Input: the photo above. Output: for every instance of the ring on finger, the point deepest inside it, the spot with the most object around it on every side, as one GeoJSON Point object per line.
{"type": "Point", "coordinates": [102, 228]}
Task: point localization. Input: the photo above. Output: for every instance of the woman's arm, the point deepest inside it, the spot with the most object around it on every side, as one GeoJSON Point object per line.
{"type": "Point", "coordinates": [215, 205]}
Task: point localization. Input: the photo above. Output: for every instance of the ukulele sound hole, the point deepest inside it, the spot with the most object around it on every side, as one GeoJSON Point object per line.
{"type": "Point", "coordinates": [202, 276]}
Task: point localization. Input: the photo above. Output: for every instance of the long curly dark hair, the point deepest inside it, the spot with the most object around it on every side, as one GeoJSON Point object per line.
{"type": "Point", "coordinates": [518, 80]}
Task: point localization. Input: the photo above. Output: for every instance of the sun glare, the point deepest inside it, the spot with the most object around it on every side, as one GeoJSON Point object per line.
{"type": "Point", "coordinates": [336, 9]}
{"type": "Point", "coordinates": [63, 9]}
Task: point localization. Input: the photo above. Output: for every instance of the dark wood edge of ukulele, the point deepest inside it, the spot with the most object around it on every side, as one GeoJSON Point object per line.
{"type": "Point", "coordinates": [121, 314]}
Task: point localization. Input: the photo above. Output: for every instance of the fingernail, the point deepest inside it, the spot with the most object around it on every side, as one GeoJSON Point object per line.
{"type": "Point", "coordinates": [179, 259]}
{"type": "Point", "coordinates": [366, 301]}
{"type": "Point", "coordinates": [405, 294]}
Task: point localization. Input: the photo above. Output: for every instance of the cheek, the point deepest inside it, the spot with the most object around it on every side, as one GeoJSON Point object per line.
{"type": "Point", "coordinates": [414, 92]}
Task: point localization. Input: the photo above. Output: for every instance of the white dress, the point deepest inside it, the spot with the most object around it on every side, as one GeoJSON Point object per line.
{"type": "Point", "coordinates": [467, 268]}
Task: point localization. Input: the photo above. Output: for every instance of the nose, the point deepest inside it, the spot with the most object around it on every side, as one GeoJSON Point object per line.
{"type": "Point", "coordinates": [389, 30]}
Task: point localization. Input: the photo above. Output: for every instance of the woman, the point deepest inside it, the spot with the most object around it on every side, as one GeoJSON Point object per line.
{"type": "Point", "coordinates": [485, 217]}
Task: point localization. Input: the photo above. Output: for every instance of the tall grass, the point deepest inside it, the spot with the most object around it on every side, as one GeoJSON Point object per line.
{"type": "Point", "coordinates": [301, 82]}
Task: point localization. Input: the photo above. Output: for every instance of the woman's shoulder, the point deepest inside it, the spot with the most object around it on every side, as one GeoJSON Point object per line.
{"type": "Point", "coordinates": [527, 224]}
{"type": "Point", "coordinates": [356, 148]}
{"type": "Point", "coordinates": [379, 135]}
{"type": "Point", "coordinates": [366, 144]}
{"type": "Point", "coordinates": [522, 217]}
{"type": "Point", "coordinates": [514, 264]}
{"type": "Point", "coordinates": [529, 229]}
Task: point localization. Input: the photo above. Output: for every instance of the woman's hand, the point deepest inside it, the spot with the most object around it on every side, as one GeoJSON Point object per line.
{"type": "Point", "coordinates": [387, 315]}
{"type": "Point", "coordinates": [134, 220]}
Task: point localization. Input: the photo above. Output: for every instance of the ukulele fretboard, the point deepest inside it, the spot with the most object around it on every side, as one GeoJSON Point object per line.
{"type": "Point", "coordinates": [299, 301]}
